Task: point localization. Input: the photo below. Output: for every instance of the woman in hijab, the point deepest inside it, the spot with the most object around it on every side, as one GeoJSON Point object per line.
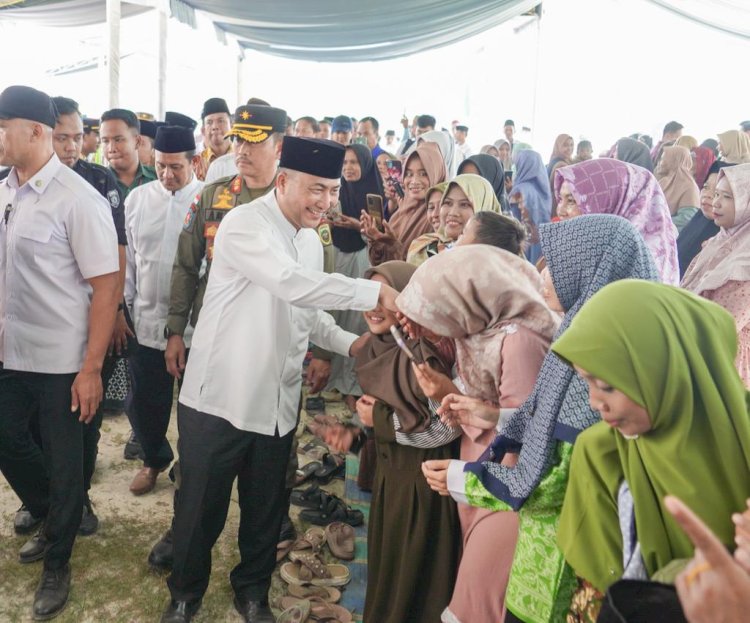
{"type": "Point", "coordinates": [721, 271]}
{"type": "Point", "coordinates": [490, 150]}
{"type": "Point", "coordinates": [606, 186]}
{"type": "Point", "coordinates": [687, 141]}
{"type": "Point", "coordinates": [505, 150]}
{"type": "Point", "coordinates": [447, 147]}
{"type": "Point", "coordinates": [703, 158]}
{"type": "Point", "coordinates": [531, 189]}
{"type": "Point", "coordinates": [360, 177]}
{"type": "Point", "coordinates": [634, 152]}
{"type": "Point", "coordinates": [676, 180]}
{"type": "Point", "coordinates": [491, 169]}
{"type": "Point", "coordinates": [582, 257]}
{"type": "Point", "coordinates": [412, 532]}
{"type": "Point", "coordinates": [734, 147]}
{"type": "Point", "coordinates": [658, 364]}
{"type": "Point", "coordinates": [712, 144]}
{"type": "Point", "coordinates": [562, 155]}
{"type": "Point", "coordinates": [489, 302]}
{"type": "Point", "coordinates": [423, 168]}
{"type": "Point", "coordinates": [701, 227]}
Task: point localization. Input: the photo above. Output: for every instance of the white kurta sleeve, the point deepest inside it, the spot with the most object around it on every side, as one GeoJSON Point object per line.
{"type": "Point", "coordinates": [129, 257]}
{"type": "Point", "coordinates": [257, 257]}
{"type": "Point", "coordinates": [328, 335]}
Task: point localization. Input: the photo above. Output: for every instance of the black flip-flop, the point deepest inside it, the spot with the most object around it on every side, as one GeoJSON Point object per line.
{"type": "Point", "coordinates": [332, 466]}
{"type": "Point", "coordinates": [305, 472]}
{"type": "Point", "coordinates": [332, 509]}
{"type": "Point", "coordinates": [308, 498]}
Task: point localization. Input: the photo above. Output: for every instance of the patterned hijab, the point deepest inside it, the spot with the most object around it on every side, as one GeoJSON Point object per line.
{"type": "Point", "coordinates": [726, 256]}
{"type": "Point", "coordinates": [471, 294]}
{"type": "Point", "coordinates": [606, 186]}
{"type": "Point", "coordinates": [735, 147]}
{"type": "Point", "coordinates": [634, 152]}
{"type": "Point", "coordinates": [672, 353]}
{"type": "Point", "coordinates": [676, 180]}
{"type": "Point", "coordinates": [583, 256]}
{"type": "Point", "coordinates": [704, 158]}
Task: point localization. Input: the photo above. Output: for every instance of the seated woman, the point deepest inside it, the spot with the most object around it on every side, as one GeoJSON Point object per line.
{"type": "Point", "coordinates": [562, 155]}
{"type": "Point", "coordinates": [462, 198]}
{"type": "Point", "coordinates": [701, 227]}
{"type": "Point", "coordinates": [492, 170]}
{"type": "Point", "coordinates": [634, 152]}
{"type": "Point", "coordinates": [658, 362]}
{"type": "Point", "coordinates": [721, 271]}
{"type": "Point", "coordinates": [606, 186]}
{"type": "Point", "coordinates": [423, 168]}
{"type": "Point", "coordinates": [675, 177]}
{"type": "Point", "coordinates": [489, 302]}
{"type": "Point", "coordinates": [582, 257]}
{"type": "Point", "coordinates": [734, 147]}
{"type": "Point", "coordinates": [531, 190]}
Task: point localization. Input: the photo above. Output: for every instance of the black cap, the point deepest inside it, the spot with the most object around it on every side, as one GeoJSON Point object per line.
{"type": "Point", "coordinates": [213, 106]}
{"type": "Point", "coordinates": [255, 123]}
{"type": "Point", "coordinates": [462, 128]}
{"type": "Point", "coordinates": [148, 128]}
{"type": "Point", "coordinates": [315, 156]}
{"type": "Point", "coordinates": [176, 118]}
{"type": "Point", "coordinates": [173, 139]}
{"type": "Point", "coordinates": [328, 120]}
{"type": "Point", "coordinates": [509, 122]}
{"type": "Point", "coordinates": [22, 102]}
{"type": "Point", "coordinates": [90, 125]}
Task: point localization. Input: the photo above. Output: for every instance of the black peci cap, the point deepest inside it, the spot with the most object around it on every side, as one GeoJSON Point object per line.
{"type": "Point", "coordinates": [176, 118]}
{"type": "Point", "coordinates": [173, 139]}
{"type": "Point", "coordinates": [22, 102]}
{"type": "Point", "coordinates": [462, 128]}
{"type": "Point", "coordinates": [314, 156]}
{"type": "Point", "coordinates": [509, 122]}
{"type": "Point", "coordinates": [254, 123]}
{"type": "Point", "coordinates": [148, 128]}
{"type": "Point", "coordinates": [214, 105]}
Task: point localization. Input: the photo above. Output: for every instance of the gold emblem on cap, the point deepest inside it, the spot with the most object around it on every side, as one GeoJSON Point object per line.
{"type": "Point", "coordinates": [245, 115]}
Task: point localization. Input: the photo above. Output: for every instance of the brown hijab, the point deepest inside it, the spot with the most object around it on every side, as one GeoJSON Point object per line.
{"type": "Point", "coordinates": [410, 220]}
{"type": "Point", "coordinates": [383, 369]}
{"type": "Point", "coordinates": [676, 179]}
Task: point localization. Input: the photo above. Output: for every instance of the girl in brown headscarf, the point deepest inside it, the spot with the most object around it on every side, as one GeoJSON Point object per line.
{"type": "Point", "coordinates": [423, 168]}
{"type": "Point", "coordinates": [674, 174]}
{"type": "Point", "coordinates": [413, 532]}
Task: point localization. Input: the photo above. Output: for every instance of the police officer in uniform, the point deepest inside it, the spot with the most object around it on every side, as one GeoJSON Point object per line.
{"type": "Point", "coordinates": [58, 300]}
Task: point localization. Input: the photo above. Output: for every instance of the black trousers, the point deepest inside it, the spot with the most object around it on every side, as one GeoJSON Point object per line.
{"type": "Point", "coordinates": [212, 454]}
{"type": "Point", "coordinates": [49, 482]}
{"type": "Point", "coordinates": [91, 434]}
{"type": "Point", "coordinates": [149, 404]}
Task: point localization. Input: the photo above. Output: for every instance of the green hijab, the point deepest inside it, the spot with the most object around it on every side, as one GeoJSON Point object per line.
{"type": "Point", "coordinates": [478, 190]}
{"type": "Point", "coordinates": [673, 353]}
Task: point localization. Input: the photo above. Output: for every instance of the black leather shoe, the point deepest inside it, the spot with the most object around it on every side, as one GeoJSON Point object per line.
{"type": "Point", "coordinates": [24, 522]}
{"type": "Point", "coordinates": [180, 611]}
{"type": "Point", "coordinates": [35, 548]}
{"type": "Point", "coordinates": [89, 521]}
{"type": "Point", "coordinates": [161, 556]}
{"type": "Point", "coordinates": [52, 593]}
{"type": "Point", "coordinates": [254, 611]}
{"type": "Point", "coordinates": [133, 449]}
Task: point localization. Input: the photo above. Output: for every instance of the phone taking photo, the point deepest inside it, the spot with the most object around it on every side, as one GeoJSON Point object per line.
{"type": "Point", "coordinates": [399, 337]}
{"type": "Point", "coordinates": [395, 175]}
{"type": "Point", "coordinates": [375, 209]}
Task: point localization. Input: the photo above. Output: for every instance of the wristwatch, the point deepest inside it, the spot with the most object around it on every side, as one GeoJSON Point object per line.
{"type": "Point", "coordinates": [169, 333]}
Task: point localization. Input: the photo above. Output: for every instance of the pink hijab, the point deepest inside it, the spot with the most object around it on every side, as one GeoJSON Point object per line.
{"type": "Point", "coordinates": [606, 186]}
{"type": "Point", "coordinates": [726, 256]}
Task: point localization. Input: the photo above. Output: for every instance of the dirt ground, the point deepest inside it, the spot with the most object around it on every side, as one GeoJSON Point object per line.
{"type": "Point", "coordinates": [111, 578]}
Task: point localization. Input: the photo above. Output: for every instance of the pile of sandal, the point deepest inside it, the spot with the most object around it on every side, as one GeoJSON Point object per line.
{"type": "Point", "coordinates": [324, 466]}
{"type": "Point", "coordinates": [322, 508]}
{"type": "Point", "coordinates": [311, 580]}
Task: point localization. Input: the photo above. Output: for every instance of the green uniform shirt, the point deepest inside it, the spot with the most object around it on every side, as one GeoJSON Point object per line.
{"type": "Point", "coordinates": [143, 175]}
{"type": "Point", "coordinates": [196, 242]}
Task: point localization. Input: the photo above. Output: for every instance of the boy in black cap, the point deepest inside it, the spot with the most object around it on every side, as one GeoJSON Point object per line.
{"type": "Point", "coordinates": [148, 134]}
{"type": "Point", "coordinates": [238, 405]}
{"type": "Point", "coordinates": [91, 140]}
{"type": "Point", "coordinates": [155, 213]}
{"type": "Point", "coordinates": [59, 298]}
{"type": "Point", "coordinates": [216, 120]}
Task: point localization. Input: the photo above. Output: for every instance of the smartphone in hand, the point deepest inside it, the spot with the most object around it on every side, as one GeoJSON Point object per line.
{"type": "Point", "coordinates": [399, 337]}
{"type": "Point", "coordinates": [395, 175]}
{"type": "Point", "coordinates": [375, 209]}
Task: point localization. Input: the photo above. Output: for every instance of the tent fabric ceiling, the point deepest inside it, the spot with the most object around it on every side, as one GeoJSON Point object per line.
{"type": "Point", "coordinates": [346, 31]}
{"type": "Point", "coordinates": [729, 16]}
{"type": "Point", "coordinates": [63, 12]}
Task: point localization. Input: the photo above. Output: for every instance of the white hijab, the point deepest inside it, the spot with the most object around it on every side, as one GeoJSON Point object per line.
{"type": "Point", "coordinates": [451, 156]}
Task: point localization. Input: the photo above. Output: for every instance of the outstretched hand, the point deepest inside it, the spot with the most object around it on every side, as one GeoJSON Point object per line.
{"type": "Point", "coordinates": [459, 410]}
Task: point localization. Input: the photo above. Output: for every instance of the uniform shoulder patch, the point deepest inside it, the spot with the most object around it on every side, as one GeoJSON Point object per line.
{"type": "Point", "coordinates": [187, 224]}
{"type": "Point", "coordinates": [114, 199]}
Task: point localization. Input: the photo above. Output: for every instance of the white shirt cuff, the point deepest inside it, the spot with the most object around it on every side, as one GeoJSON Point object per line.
{"type": "Point", "coordinates": [341, 342]}
{"type": "Point", "coordinates": [366, 295]}
{"type": "Point", "coordinates": [457, 481]}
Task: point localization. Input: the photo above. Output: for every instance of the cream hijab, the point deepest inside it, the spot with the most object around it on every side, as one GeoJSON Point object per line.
{"type": "Point", "coordinates": [676, 180]}
{"type": "Point", "coordinates": [726, 256]}
{"type": "Point", "coordinates": [735, 147]}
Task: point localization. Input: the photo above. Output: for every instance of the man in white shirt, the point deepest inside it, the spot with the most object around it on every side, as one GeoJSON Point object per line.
{"type": "Point", "coordinates": [459, 134]}
{"type": "Point", "coordinates": [154, 216]}
{"type": "Point", "coordinates": [58, 300]}
{"type": "Point", "coordinates": [237, 410]}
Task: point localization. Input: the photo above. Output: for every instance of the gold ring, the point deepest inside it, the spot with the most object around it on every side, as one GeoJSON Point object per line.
{"type": "Point", "coordinates": [695, 572]}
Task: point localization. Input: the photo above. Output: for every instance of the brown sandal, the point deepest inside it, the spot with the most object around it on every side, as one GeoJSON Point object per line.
{"type": "Point", "coordinates": [326, 593]}
{"type": "Point", "coordinates": [340, 537]}
{"type": "Point", "coordinates": [312, 541]}
{"type": "Point", "coordinates": [310, 569]}
{"type": "Point", "coordinates": [320, 610]}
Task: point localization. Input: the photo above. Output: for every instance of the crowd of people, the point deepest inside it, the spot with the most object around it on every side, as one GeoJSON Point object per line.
{"type": "Point", "coordinates": [547, 362]}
